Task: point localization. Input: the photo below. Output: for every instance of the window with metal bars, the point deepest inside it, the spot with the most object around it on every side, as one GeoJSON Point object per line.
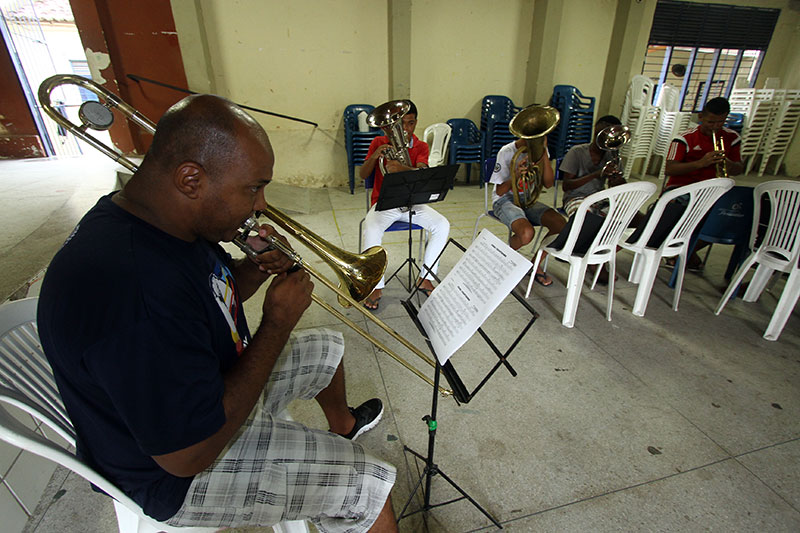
{"type": "Point", "coordinates": [706, 50]}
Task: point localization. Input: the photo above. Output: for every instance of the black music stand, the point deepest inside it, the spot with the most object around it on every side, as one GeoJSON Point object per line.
{"type": "Point", "coordinates": [461, 395]}
{"type": "Point", "coordinates": [407, 189]}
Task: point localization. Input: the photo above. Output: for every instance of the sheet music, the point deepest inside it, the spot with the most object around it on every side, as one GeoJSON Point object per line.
{"type": "Point", "coordinates": [486, 273]}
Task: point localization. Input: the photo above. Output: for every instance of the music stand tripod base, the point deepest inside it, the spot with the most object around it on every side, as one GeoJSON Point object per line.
{"type": "Point", "coordinates": [431, 468]}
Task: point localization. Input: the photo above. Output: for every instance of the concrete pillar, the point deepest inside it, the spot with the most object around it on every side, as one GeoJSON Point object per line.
{"type": "Point", "coordinates": [399, 49]}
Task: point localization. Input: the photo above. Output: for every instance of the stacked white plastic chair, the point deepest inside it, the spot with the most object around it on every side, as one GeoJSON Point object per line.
{"type": "Point", "coordinates": [778, 250]}
{"type": "Point", "coordinates": [641, 117]}
{"type": "Point", "coordinates": [758, 108]}
{"type": "Point", "coordinates": [781, 130]}
{"type": "Point", "coordinates": [671, 123]}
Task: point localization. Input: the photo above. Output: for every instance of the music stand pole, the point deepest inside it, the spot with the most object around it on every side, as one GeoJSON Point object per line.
{"type": "Point", "coordinates": [432, 469]}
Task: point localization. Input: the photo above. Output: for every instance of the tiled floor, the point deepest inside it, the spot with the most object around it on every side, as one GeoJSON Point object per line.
{"type": "Point", "coordinates": [672, 422]}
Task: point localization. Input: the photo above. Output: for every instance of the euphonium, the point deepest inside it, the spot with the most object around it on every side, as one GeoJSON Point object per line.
{"type": "Point", "coordinates": [531, 124]}
{"type": "Point", "coordinates": [358, 273]}
{"type": "Point", "coordinates": [719, 146]}
{"type": "Point", "coordinates": [389, 118]}
{"type": "Point", "coordinates": [612, 138]}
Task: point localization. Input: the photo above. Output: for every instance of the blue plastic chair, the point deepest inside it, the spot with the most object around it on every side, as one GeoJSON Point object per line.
{"type": "Point", "coordinates": [577, 120]}
{"type": "Point", "coordinates": [356, 142]}
{"type": "Point", "coordinates": [496, 113]}
{"type": "Point", "coordinates": [397, 225]}
{"type": "Point", "coordinates": [735, 121]}
{"type": "Point", "coordinates": [496, 107]}
{"type": "Point", "coordinates": [466, 144]}
{"type": "Point", "coordinates": [729, 221]}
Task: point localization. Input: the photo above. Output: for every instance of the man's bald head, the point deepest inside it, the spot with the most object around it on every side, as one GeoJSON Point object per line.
{"type": "Point", "coordinates": [204, 129]}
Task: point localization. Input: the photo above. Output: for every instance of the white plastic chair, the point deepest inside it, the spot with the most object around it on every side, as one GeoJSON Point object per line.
{"type": "Point", "coordinates": [437, 137]}
{"type": "Point", "coordinates": [26, 382]}
{"type": "Point", "coordinates": [646, 260]}
{"type": "Point", "coordinates": [779, 250]}
{"type": "Point", "coordinates": [624, 201]}
{"type": "Point", "coordinates": [488, 165]}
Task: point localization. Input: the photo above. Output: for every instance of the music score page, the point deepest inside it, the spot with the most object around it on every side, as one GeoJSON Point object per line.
{"type": "Point", "coordinates": [486, 273]}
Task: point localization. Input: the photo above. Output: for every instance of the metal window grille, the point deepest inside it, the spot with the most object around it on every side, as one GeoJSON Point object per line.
{"type": "Point", "coordinates": [705, 48]}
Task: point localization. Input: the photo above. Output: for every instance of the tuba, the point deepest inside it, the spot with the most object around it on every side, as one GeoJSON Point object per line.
{"type": "Point", "coordinates": [612, 138]}
{"type": "Point", "coordinates": [719, 146]}
{"type": "Point", "coordinates": [531, 124]}
{"type": "Point", "coordinates": [358, 273]}
{"type": "Point", "coordinates": [389, 118]}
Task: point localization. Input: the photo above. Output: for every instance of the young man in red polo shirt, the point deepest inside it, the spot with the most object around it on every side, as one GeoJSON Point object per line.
{"type": "Point", "coordinates": [376, 222]}
{"type": "Point", "coordinates": [692, 156]}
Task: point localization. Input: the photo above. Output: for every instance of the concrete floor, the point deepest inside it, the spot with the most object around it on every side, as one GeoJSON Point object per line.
{"type": "Point", "coordinates": [678, 421]}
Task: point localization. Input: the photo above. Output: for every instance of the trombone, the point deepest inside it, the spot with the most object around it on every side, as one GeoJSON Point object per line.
{"type": "Point", "coordinates": [358, 273]}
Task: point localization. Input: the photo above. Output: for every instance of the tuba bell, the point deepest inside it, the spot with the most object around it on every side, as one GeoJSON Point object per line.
{"type": "Point", "coordinates": [389, 118]}
{"type": "Point", "coordinates": [531, 124]}
{"type": "Point", "coordinates": [612, 138]}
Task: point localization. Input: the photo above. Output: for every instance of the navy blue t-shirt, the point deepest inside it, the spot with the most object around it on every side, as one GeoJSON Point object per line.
{"type": "Point", "coordinates": [139, 327]}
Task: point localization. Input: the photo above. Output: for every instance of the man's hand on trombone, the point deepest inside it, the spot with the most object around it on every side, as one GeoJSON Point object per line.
{"type": "Point", "coordinates": [271, 260]}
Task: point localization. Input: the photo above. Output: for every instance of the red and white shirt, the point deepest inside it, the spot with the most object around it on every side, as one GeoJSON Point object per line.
{"type": "Point", "coordinates": [418, 152]}
{"type": "Point", "coordinates": [692, 146]}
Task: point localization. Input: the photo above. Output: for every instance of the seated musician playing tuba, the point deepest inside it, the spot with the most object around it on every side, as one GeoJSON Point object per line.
{"type": "Point", "coordinates": [377, 222]}
{"type": "Point", "coordinates": [521, 220]}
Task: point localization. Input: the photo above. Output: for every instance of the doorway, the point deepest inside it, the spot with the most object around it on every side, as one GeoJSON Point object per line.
{"type": "Point", "coordinates": [43, 40]}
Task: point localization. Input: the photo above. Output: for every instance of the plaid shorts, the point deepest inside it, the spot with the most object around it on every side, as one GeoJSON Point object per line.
{"type": "Point", "coordinates": [275, 470]}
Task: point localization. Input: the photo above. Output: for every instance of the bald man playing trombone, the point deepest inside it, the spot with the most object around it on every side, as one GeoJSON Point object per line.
{"type": "Point", "coordinates": [172, 398]}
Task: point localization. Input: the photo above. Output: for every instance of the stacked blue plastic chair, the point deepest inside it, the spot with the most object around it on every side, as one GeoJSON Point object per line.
{"type": "Point", "coordinates": [735, 121]}
{"type": "Point", "coordinates": [466, 144]}
{"type": "Point", "coordinates": [356, 142]}
{"type": "Point", "coordinates": [577, 118]}
{"type": "Point", "coordinates": [496, 112]}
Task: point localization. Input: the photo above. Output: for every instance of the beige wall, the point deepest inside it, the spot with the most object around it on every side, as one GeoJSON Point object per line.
{"type": "Point", "coordinates": [311, 58]}
{"type": "Point", "coordinates": [583, 44]}
{"type": "Point", "coordinates": [303, 59]}
{"type": "Point", "coordinates": [463, 50]}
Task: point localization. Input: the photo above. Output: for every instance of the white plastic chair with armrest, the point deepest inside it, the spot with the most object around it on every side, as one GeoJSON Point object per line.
{"type": "Point", "coordinates": [623, 202]}
{"type": "Point", "coordinates": [778, 250]}
{"type": "Point", "coordinates": [437, 137]}
{"type": "Point", "coordinates": [647, 258]}
{"type": "Point", "coordinates": [488, 165]}
{"type": "Point", "coordinates": [26, 382]}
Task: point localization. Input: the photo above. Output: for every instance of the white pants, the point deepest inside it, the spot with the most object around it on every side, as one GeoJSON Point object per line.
{"type": "Point", "coordinates": [377, 222]}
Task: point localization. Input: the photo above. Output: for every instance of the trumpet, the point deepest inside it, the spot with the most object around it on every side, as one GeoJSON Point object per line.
{"type": "Point", "coordinates": [358, 273]}
{"type": "Point", "coordinates": [532, 124]}
{"type": "Point", "coordinates": [719, 146]}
